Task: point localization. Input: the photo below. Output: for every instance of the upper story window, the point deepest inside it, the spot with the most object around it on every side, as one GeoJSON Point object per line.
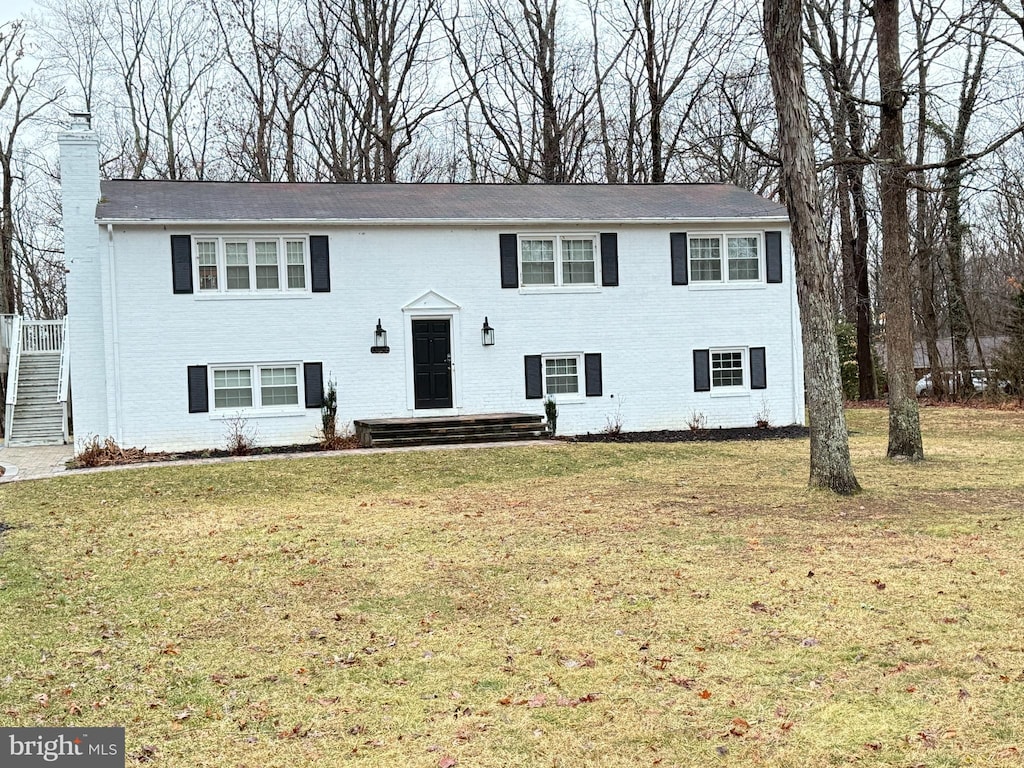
{"type": "Point", "coordinates": [558, 260]}
{"type": "Point", "coordinates": [725, 258]}
{"type": "Point", "coordinates": [251, 264]}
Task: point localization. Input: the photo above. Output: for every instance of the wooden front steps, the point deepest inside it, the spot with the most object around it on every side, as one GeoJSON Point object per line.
{"type": "Point", "coordinates": [437, 430]}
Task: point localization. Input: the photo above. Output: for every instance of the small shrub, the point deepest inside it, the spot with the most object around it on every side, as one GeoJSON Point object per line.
{"type": "Point", "coordinates": [698, 421]}
{"type": "Point", "coordinates": [763, 419]}
{"type": "Point", "coordinates": [239, 436]}
{"type": "Point", "coordinates": [329, 438]}
{"type": "Point", "coordinates": [551, 412]}
{"type": "Point", "coordinates": [613, 422]}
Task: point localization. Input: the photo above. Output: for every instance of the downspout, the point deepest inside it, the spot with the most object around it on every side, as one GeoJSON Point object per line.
{"type": "Point", "coordinates": [114, 332]}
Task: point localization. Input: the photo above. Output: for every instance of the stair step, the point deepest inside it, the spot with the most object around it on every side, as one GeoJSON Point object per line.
{"type": "Point", "coordinates": [449, 430]}
{"type": "Point", "coordinates": [497, 437]}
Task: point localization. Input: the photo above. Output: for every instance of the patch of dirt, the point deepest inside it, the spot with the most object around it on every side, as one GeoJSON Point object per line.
{"type": "Point", "coordinates": [695, 435]}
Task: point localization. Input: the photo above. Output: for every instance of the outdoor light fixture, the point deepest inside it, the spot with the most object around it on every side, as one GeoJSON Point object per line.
{"type": "Point", "coordinates": [487, 334]}
{"type": "Point", "coordinates": [380, 340]}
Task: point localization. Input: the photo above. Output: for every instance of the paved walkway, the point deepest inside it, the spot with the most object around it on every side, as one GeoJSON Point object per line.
{"type": "Point", "coordinates": [33, 462]}
{"type": "Point", "coordinates": [39, 461]}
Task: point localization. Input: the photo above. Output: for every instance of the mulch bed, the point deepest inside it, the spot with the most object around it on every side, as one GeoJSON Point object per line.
{"type": "Point", "coordinates": [695, 435]}
{"type": "Point", "coordinates": [120, 456]}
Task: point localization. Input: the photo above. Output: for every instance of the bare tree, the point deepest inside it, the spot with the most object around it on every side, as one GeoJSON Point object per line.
{"type": "Point", "coordinates": [23, 97]}
{"type": "Point", "coordinates": [830, 453]}
{"type": "Point", "coordinates": [276, 64]}
{"type": "Point", "coordinates": [386, 53]}
{"type": "Point", "coordinates": [837, 41]}
{"type": "Point", "coordinates": [525, 75]}
{"type": "Point", "coordinates": [904, 419]}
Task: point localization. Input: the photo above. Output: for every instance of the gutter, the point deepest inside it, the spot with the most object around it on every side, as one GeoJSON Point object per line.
{"type": "Point", "coordinates": [532, 222]}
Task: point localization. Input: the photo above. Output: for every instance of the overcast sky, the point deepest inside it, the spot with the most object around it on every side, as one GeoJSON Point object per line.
{"type": "Point", "coordinates": [14, 9]}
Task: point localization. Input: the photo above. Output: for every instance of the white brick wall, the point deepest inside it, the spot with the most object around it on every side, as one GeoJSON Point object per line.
{"type": "Point", "coordinates": [646, 330]}
{"type": "Point", "coordinates": [132, 338]}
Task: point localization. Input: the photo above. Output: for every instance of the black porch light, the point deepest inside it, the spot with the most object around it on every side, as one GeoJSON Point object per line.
{"type": "Point", "coordinates": [380, 340]}
{"type": "Point", "coordinates": [487, 334]}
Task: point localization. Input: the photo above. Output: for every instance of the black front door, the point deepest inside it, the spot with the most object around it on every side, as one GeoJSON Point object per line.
{"type": "Point", "coordinates": [432, 363]}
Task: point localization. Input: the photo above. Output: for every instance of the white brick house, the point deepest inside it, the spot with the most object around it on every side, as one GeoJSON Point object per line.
{"type": "Point", "coordinates": [191, 303]}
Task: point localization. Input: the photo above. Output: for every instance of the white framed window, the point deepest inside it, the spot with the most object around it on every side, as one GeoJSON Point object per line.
{"type": "Point", "coordinates": [206, 259]}
{"type": "Point", "coordinates": [555, 261]}
{"type": "Point", "coordinates": [562, 376]}
{"type": "Point", "coordinates": [296, 250]}
{"type": "Point", "coordinates": [253, 265]}
{"type": "Point", "coordinates": [727, 366]}
{"type": "Point", "coordinates": [726, 258]}
{"type": "Point", "coordinates": [249, 386]}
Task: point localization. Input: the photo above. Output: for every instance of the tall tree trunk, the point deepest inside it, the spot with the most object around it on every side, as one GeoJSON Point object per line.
{"type": "Point", "coordinates": [830, 450]}
{"type": "Point", "coordinates": [924, 235]}
{"type": "Point", "coordinates": [904, 418]}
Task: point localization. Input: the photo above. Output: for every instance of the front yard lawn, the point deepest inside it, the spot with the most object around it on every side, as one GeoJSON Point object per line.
{"type": "Point", "coordinates": [578, 604]}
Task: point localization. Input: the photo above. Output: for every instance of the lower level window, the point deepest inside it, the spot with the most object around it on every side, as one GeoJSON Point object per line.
{"type": "Point", "coordinates": [234, 388]}
{"type": "Point", "coordinates": [561, 375]}
{"type": "Point", "coordinates": [279, 386]}
{"type": "Point", "coordinates": [727, 368]}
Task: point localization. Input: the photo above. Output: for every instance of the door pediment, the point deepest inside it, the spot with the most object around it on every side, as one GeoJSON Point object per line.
{"type": "Point", "coordinates": [431, 301]}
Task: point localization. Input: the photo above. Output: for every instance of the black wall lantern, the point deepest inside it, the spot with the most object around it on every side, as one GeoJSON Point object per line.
{"type": "Point", "coordinates": [487, 334]}
{"type": "Point", "coordinates": [380, 340]}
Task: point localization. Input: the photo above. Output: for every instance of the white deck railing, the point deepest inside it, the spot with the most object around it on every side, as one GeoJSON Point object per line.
{"type": "Point", "coordinates": [42, 336]}
{"type": "Point", "coordinates": [65, 365]}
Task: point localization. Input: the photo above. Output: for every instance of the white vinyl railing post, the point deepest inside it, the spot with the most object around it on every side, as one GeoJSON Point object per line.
{"type": "Point", "coordinates": [12, 375]}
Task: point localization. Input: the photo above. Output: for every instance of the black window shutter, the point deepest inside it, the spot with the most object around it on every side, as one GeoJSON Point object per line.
{"type": "Point", "coordinates": [313, 375]}
{"type": "Point", "coordinates": [773, 256]}
{"type": "Point", "coordinates": [534, 378]}
{"type": "Point", "coordinates": [701, 370]}
{"type": "Point", "coordinates": [679, 266]}
{"type": "Point", "coordinates": [181, 263]}
{"type": "Point", "coordinates": [198, 396]}
{"type": "Point", "coordinates": [592, 370]}
{"type": "Point", "coordinates": [609, 258]}
{"type": "Point", "coordinates": [320, 263]}
{"type": "Point", "coordinates": [758, 373]}
{"type": "Point", "coordinates": [508, 245]}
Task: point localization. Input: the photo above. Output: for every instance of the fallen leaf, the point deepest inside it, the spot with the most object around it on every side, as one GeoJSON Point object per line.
{"type": "Point", "coordinates": [447, 762]}
{"type": "Point", "coordinates": [705, 694]}
{"type": "Point", "coordinates": [739, 727]}
{"type": "Point", "coordinates": [537, 701]}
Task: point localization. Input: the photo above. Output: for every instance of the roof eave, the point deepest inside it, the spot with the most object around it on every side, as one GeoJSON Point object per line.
{"type": "Point", "coordinates": [442, 222]}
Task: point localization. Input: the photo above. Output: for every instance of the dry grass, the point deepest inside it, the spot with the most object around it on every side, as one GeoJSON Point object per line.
{"type": "Point", "coordinates": [589, 604]}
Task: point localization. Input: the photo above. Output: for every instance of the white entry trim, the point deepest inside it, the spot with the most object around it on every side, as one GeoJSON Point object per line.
{"type": "Point", "coordinates": [433, 306]}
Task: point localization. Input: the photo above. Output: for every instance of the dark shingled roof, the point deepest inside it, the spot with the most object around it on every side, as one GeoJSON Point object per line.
{"type": "Point", "coordinates": [211, 201]}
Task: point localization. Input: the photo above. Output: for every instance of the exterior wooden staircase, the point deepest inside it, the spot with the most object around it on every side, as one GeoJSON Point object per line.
{"type": "Point", "coordinates": [453, 430]}
{"type": "Point", "coordinates": [37, 382]}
